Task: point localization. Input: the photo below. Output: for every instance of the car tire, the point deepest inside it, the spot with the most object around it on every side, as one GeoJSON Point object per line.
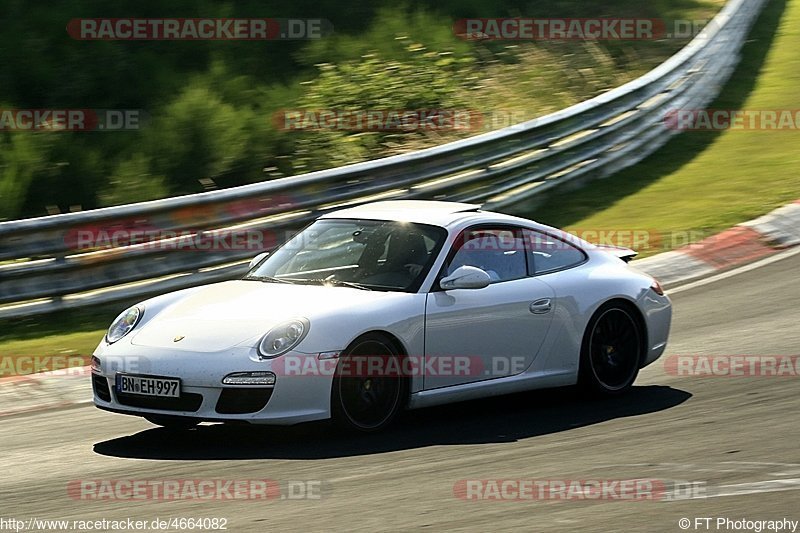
{"type": "Point", "coordinates": [611, 352]}
{"type": "Point", "coordinates": [175, 423]}
{"type": "Point", "coordinates": [365, 403]}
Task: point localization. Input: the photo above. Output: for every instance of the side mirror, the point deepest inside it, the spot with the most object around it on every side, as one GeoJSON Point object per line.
{"type": "Point", "coordinates": [256, 260]}
{"type": "Point", "coordinates": [466, 277]}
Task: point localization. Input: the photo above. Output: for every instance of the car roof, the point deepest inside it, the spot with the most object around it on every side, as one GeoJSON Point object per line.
{"type": "Point", "coordinates": [420, 211]}
{"type": "Point", "coordinates": [454, 216]}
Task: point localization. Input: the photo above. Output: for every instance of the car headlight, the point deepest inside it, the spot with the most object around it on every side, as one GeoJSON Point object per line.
{"type": "Point", "coordinates": [283, 337]}
{"type": "Point", "coordinates": [124, 323]}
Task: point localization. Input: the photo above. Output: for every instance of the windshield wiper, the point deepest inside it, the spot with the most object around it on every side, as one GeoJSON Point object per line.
{"type": "Point", "coordinates": [270, 279]}
{"type": "Point", "coordinates": [349, 284]}
{"type": "Point", "coordinates": [332, 281]}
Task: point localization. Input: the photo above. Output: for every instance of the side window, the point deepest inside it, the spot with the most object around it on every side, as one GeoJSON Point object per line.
{"type": "Point", "coordinates": [498, 251]}
{"type": "Point", "coordinates": [547, 254]}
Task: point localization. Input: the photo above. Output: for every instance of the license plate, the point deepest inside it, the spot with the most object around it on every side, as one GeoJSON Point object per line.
{"type": "Point", "coordinates": [148, 386]}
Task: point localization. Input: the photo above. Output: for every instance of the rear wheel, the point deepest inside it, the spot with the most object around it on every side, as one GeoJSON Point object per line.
{"type": "Point", "coordinates": [611, 351]}
{"type": "Point", "coordinates": [176, 423]}
{"type": "Point", "coordinates": [361, 401]}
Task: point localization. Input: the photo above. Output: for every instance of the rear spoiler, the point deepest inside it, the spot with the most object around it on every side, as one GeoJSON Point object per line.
{"type": "Point", "coordinates": [626, 254]}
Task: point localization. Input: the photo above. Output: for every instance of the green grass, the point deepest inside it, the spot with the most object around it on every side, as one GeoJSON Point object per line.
{"type": "Point", "coordinates": [702, 181]}
{"type": "Point", "coordinates": [66, 334]}
{"type": "Point", "coordinates": [81, 343]}
{"type": "Point", "coordinates": [52, 352]}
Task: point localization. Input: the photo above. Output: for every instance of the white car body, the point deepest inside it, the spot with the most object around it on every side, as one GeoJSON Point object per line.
{"type": "Point", "coordinates": [202, 334]}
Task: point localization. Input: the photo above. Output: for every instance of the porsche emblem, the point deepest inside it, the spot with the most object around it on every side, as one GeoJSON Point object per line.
{"type": "Point", "coordinates": [179, 338]}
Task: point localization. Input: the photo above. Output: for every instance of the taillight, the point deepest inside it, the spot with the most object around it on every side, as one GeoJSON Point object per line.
{"type": "Point", "coordinates": [657, 288]}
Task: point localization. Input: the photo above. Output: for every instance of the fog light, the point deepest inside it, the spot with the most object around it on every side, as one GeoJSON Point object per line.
{"type": "Point", "coordinates": [95, 365]}
{"type": "Point", "coordinates": [249, 378]}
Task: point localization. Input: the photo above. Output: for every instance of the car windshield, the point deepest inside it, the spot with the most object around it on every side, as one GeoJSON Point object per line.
{"type": "Point", "coordinates": [369, 254]}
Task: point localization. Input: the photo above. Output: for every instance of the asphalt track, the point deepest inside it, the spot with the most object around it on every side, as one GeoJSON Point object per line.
{"type": "Point", "coordinates": [737, 436]}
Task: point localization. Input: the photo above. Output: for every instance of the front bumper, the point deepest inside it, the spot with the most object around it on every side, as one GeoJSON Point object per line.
{"type": "Point", "coordinates": [291, 400]}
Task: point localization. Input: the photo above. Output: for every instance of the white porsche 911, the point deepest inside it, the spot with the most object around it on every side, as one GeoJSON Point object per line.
{"type": "Point", "coordinates": [383, 307]}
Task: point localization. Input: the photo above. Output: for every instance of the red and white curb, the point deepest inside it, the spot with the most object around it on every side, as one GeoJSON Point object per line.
{"type": "Point", "coordinates": [781, 226]}
{"type": "Point", "coordinates": [743, 243]}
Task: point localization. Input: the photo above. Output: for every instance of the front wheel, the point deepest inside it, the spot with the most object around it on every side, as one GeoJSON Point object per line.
{"type": "Point", "coordinates": [612, 351]}
{"type": "Point", "coordinates": [368, 401]}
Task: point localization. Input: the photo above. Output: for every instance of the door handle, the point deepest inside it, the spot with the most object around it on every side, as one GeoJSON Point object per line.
{"type": "Point", "coordinates": [540, 307]}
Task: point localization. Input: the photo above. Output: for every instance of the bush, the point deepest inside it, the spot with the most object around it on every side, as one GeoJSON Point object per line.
{"type": "Point", "coordinates": [211, 103]}
{"type": "Point", "coordinates": [22, 157]}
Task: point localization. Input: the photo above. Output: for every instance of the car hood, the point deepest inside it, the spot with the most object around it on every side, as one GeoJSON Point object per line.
{"type": "Point", "coordinates": [221, 316]}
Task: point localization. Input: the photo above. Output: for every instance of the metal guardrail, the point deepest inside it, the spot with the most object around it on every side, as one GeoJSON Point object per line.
{"type": "Point", "coordinates": [42, 271]}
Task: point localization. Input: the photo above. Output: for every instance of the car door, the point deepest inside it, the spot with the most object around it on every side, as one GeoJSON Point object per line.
{"type": "Point", "coordinates": [556, 260]}
{"type": "Point", "coordinates": [479, 334]}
